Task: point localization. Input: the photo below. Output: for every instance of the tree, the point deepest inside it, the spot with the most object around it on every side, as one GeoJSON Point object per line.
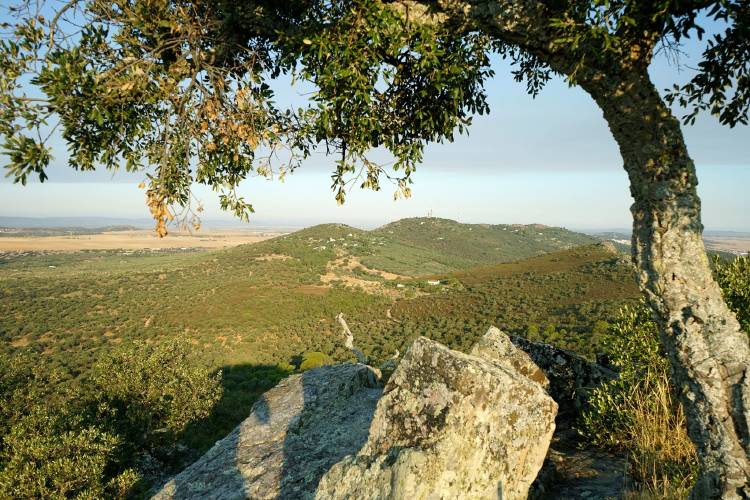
{"type": "Point", "coordinates": [183, 88]}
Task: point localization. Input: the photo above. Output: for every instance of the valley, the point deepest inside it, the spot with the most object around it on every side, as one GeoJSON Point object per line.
{"type": "Point", "coordinates": [255, 310]}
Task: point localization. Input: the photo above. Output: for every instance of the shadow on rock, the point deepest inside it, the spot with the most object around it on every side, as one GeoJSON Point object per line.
{"type": "Point", "coordinates": [294, 434]}
{"type": "Point", "coordinates": [242, 386]}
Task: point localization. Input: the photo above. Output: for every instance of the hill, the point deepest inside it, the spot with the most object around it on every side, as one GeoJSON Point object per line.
{"type": "Point", "coordinates": [460, 246]}
{"type": "Point", "coordinates": [428, 245]}
{"type": "Point", "coordinates": [253, 310]}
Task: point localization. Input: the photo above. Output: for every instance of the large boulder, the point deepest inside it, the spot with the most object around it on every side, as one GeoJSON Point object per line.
{"type": "Point", "coordinates": [571, 376]}
{"type": "Point", "coordinates": [294, 433]}
{"type": "Point", "coordinates": [497, 347]}
{"type": "Point", "coordinates": [450, 425]}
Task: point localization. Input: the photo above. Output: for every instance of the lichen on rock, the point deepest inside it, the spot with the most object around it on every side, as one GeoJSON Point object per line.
{"type": "Point", "coordinates": [571, 376]}
{"type": "Point", "coordinates": [449, 425]}
{"type": "Point", "coordinates": [498, 347]}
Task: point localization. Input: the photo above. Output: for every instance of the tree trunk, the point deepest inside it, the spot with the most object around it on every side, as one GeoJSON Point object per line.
{"type": "Point", "coordinates": [709, 354]}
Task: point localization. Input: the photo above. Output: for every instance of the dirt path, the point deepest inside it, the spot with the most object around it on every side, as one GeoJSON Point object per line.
{"type": "Point", "coordinates": [343, 267]}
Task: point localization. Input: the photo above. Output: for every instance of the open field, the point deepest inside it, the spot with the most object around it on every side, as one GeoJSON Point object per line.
{"type": "Point", "coordinates": [133, 240]}
{"type": "Point", "coordinates": [726, 243]}
{"type": "Point", "coordinates": [736, 244]}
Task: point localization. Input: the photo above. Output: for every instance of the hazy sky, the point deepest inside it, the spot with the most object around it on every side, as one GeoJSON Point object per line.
{"type": "Point", "coordinates": [549, 160]}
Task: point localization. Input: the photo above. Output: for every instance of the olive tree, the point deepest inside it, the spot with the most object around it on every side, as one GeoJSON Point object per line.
{"type": "Point", "coordinates": [183, 90]}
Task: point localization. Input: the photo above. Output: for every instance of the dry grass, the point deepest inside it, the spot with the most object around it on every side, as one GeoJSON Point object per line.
{"type": "Point", "coordinates": [662, 459]}
{"type": "Point", "coordinates": [132, 240]}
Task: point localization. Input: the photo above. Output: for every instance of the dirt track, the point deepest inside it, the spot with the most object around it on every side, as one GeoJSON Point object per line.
{"type": "Point", "coordinates": [133, 240]}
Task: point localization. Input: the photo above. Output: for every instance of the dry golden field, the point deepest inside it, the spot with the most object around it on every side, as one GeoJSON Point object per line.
{"type": "Point", "coordinates": [132, 240]}
{"type": "Point", "coordinates": [734, 244]}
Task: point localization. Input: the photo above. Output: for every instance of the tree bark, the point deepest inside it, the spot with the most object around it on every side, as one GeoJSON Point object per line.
{"type": "Point", "coordinates": [709, 354]}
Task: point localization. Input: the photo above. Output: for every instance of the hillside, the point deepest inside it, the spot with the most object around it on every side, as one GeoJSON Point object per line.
{"type": "Point", "coordinates": [460, 246]}
{"type": "Point", "coordinates": [429, 245]}
{"type": "Point", "coordinates": [253, 310]}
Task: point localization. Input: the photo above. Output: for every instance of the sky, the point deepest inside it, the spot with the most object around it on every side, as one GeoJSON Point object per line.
{"type": "Point", "coordinates": [549, 160]}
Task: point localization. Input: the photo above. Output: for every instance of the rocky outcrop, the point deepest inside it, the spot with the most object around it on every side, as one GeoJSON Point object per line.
{"type": "Point", "coordinates": [450, 425]}
{"type": "Point", "coordinates": [571, 377]}
{"type": "Point", "coordinates": [497, 347]}
{"type": "Point", "coordinates": [294, 433]}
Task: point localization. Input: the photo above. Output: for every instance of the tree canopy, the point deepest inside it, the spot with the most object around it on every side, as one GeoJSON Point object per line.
{"type": "Point", "coordinates": [183, 90]}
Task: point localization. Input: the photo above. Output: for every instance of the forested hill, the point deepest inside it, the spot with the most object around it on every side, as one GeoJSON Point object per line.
{"type": "Point", "coordinates": [259, 312]}
{"type": "Point", "coordinates": [429, 245]}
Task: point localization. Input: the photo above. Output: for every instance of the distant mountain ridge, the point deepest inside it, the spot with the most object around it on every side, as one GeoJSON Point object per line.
{"type": "Point", "coordinates": [71, 222]}
{"type": "Point", "coordinates": [23, 232]}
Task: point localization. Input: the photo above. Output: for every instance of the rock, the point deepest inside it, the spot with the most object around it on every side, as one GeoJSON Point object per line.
{"type": "Point", "coordinates": [571, 470]}
{"type": "Point", "coordinates": [571, 377]}
{"type": "Point", "coordinates": [497, 347]}
{"type": "Point", "coordinates": [449, 425]}
{"type": "Point", "coordinates": [294, 433]}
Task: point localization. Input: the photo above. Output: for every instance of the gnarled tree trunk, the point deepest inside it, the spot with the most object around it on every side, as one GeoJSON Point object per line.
{"type": "Point", "coordinates": [708, 352]}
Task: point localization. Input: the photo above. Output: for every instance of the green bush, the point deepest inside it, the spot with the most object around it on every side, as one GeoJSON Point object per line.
{"type": "Point", "coordinates": [734, 279]}
{"type": "Point", "coordinates": [150, 393]}
{"type": "Point", "coordinates": [638, 413]}
{"type": "Point", "coordinates": [53, 454]}
{"type": "Point", "coordinates": [314, 359]}
{"type": "Point", "coordinates": [93, 439]}
{"type": "Point", "coordinates": [48, 450]}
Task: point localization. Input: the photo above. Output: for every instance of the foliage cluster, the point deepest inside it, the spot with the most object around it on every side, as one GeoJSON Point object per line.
{"type": "Point", "coordinates": [314, 359]}
{"type": "Point", "coordinates": [638, 412]}
{"type": "Point", "coordinates": [733, 277]}
{"type": "Point", "coordinates": [100, 437]}
{"type": "Point", "coordinates": [185, 90]}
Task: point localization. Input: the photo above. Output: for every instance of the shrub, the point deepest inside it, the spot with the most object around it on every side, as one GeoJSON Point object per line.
{"type": "Point", "coordinates": [52, 454]}
{"type": "Point", "coordinates": [149, 393]}
{"type": "Point", "coordinates": [93, 438]}
{"type": "Point", "coordinates": [734, 279]}
{"type": "Point", "coordinates": [314, 359]}
{"type": "Point", "coordinates": [637, 412]}
{"type": "Point", "coordinates": [47, 449]}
